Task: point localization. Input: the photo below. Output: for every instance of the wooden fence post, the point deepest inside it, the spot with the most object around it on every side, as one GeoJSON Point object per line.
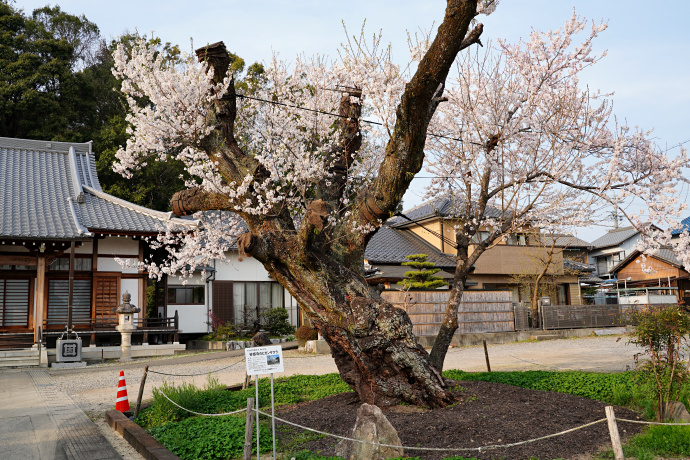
{"type": "Point", "coordinates": [249, 430]}
{"type": "Point", "coordinates": [141, 392]}
{"type": "Point", "coordinates": [486, 355]}
{"type": "Point", "coordinates": [615, 437]}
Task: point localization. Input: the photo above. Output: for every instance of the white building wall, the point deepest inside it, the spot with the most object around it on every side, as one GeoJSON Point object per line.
{"type": "Point", "coordinates": [193, 318]}
{"type": "Point", "coordinates": [118, 246]}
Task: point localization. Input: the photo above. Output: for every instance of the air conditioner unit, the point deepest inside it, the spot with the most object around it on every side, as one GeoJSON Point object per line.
{"type": "Point", "coordinates": [68, 350]}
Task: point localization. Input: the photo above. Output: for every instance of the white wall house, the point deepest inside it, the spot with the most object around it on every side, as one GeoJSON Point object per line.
{"type": "Point", "coordinates": [609, 250]}
{"type": "Point", "coordinates": [240, 287]}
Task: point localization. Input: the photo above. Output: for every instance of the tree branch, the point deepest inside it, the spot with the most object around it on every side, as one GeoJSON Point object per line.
{"type": "Point", "coordinates": [187, 202]}
{"type": "Point", "coordinates": [405, 150]}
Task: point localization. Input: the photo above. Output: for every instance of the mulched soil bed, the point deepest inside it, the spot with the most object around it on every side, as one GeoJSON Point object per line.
{"type": "Point", "coordinates": [487, 413]}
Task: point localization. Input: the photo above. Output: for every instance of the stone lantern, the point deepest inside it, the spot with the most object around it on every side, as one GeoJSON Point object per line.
{"type": "Point", "coordinates": [125, 313]}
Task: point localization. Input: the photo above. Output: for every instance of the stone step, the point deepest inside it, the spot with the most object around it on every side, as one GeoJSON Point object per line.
{"type": "Point", "coordinates": [540, 337]}
{"type": "Point", "coordinates": [19, 358]}
{"type": "Point", "coordinates": [15, 353]}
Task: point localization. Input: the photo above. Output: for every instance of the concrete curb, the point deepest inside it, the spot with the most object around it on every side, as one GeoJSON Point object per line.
{"type": "Point", "coordinates": [138, 438]}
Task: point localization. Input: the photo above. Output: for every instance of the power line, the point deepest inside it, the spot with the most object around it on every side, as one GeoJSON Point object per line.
{"type": "Point", "coordinates": [337, 115]}
{"type": "Point", "coordinates": [378, 123]}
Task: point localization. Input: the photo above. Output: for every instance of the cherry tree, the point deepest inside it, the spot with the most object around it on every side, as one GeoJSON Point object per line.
{"type": "Point", "coordinates": [521, 145]}
{"type": "Point", "coordinates": [311, 187]}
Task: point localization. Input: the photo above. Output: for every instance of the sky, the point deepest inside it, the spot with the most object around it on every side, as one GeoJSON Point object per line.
{"type": "Point", "coordinates": [647, 66]}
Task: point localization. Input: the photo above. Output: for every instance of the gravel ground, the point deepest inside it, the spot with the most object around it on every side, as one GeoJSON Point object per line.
{"type": "Point", "coordinates": [94, 390]}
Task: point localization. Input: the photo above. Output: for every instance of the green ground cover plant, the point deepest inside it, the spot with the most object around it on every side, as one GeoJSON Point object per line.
{"type": "Point", "coordinates": [214, 399]}
{"type": "Point", "coordinates": [208, 438]}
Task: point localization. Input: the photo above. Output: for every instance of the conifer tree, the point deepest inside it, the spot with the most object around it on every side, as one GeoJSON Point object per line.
{"type": "Point", "coordinates": [423, 277]}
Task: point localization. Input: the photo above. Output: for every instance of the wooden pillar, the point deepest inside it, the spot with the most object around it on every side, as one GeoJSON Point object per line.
{"type": "Point", "coordinates": [39, 308]}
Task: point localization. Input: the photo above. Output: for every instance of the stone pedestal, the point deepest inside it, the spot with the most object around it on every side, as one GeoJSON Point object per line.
{"type": "Point", "coordinates": [125, 313]}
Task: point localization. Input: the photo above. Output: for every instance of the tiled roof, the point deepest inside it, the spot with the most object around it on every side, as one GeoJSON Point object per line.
{"type": "Point", "coordinates": [615, 237]}
{"type": "Point", "coordinates": [438, 207]}
{"type": "Point", "coordinates": [391, 246]}
{"type": "Point", "coordinates": [566, 241]}
{"type": "Point", "coordinates": [575, 265]}
{"type": "Point", "coordinates": [51, 190]}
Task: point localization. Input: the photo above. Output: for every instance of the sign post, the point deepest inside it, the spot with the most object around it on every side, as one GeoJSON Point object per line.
{"type": "Point", "coordinates": [264, 360]}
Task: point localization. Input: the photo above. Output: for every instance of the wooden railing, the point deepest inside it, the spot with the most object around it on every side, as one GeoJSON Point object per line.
{"type": "Point", "coordinates": [145, 326]}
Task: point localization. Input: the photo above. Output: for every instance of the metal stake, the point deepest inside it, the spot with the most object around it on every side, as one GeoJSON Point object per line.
{"type": "Point", "coordinates": [273, 419]}
{"type": "Point", "coordinates": [258, 455]}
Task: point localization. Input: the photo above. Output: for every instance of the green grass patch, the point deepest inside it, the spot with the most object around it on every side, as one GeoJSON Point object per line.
{"type": "Point", "coordinates": [609, 388]}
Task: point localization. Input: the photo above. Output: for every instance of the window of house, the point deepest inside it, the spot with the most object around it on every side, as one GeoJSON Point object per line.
{"type": "Point", "coordinates": [186, 295]}
{"type": "Point", "coordinates": [241, 301]}
{"type": "Point", "coordinates": [81, 264]}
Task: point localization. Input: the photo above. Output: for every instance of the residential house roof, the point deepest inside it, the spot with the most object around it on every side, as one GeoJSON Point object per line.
{"type": "Point", "coordinates": [391, 246]}
{"type": "Point", "coordinates": [615, 237]}
{"type": "Point", "coordinates": [438, 207]}
{"type": "Point", "coordinates": [51, 190]}
{"type": "Point", "coordinates": [664, 254]}
{"type": "Point", "coordinates": [566, 241]}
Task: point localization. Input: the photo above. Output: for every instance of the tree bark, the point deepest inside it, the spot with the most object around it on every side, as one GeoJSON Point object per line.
{"type": "Point", "coordinates": [322, 267]}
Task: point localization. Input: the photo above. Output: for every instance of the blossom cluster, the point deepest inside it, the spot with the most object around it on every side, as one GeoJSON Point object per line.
{"type": "Point", "coordinates": [521, 142]}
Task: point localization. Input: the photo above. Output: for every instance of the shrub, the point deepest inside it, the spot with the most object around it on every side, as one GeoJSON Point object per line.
{"type": "Point", "coordinates": [662, 331]}
{"type": "Point", "coordinates": [423, 277]}
{"type": "Point", "coordinates": [276, 321]}
{"type": "Point", "coordinates": [304, 333]}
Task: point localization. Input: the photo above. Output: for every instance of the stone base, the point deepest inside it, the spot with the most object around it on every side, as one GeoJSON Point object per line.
{"type": "Point", "coordinates": [317, 346]}
{"type": "Point", "coordinates": [73, 365]}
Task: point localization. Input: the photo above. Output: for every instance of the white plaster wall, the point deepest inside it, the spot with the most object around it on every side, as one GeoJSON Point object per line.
{"type": "Point", "coordinates": [249, 269]}
{"type": "Point", "coordinates": [132, 285]}
{"type": "Point", "coordinates": [193, 318]}
{"type": "Point", "coordinates": [108, 264]}
{"type": "Point", "coordinates": [122, 245]}
{"type": "Point", "coordinates": [86, 248]}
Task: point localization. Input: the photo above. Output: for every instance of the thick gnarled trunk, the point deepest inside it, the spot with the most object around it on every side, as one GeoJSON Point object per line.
{"type": "Point", "coordinates": [371, 340]}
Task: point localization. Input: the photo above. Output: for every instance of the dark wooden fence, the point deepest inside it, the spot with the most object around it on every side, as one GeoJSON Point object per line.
{"type": "Point", "coordinates": [581, 316]}
{"type": "Point", "coordinates": [480, 311]}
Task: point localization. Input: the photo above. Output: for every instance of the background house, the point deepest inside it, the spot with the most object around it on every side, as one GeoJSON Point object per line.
{"type": "Point", "coordinates": [427, 229]}
{"type": "Point", "coordinates": [610, 249]}
{"type": "Point", "coordinates": [662, 270]}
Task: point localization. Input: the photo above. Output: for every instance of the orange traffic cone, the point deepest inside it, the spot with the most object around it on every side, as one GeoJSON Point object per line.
{"type": "Point", "coordinates": [122, 403]}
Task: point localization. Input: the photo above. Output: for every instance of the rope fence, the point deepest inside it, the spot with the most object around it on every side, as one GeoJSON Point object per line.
{"type": "Point", "coordinates": [437, 449]}
{"type": "Point", "coordinates": [610, 417]}
{"type": "Point", "coordinates": [200, 373]}
{"type": "Point", "coordinates": [200, 413]}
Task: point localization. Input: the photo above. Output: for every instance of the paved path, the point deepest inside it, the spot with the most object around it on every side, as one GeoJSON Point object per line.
{"type": "Point", "coordinates": [38, 422]}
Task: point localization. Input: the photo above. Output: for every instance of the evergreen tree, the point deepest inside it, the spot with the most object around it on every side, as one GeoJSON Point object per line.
{"type": "Point", "coordinates": [423, 277]}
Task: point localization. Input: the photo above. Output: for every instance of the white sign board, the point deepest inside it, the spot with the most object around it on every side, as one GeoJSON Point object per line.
{"type": "Point", "coordinates": [264, 360]}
